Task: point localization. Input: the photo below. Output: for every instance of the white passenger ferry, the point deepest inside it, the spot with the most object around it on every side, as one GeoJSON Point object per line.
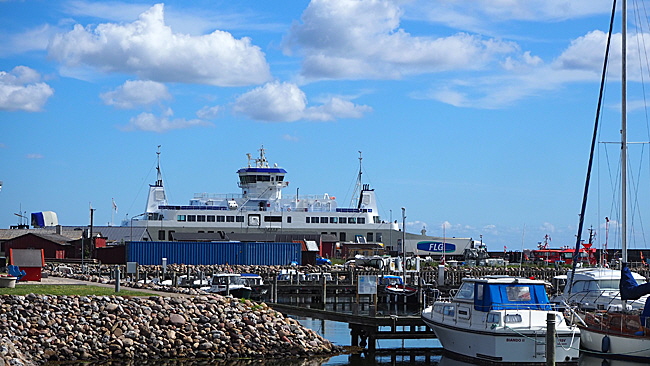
{"type": "Point", "coordinates": [261, 207]}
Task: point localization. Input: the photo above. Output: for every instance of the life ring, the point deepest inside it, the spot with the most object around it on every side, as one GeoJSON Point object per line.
{"type": "Point", "coordinates": [288, 209]}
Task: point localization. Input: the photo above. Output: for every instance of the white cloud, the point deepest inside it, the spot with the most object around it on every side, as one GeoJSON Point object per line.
{"type": "Point", "coordinates": [527, 75]}
{"type": "Point", "coordinates": [478, 15]}
{"type": "Point", "coordinates": [34, 156]}
{"type": "Point", "coordinates": [362, 39]}
{"type": "Point", "coordinates": [547, 227]}
{"type": "Point", "coordinates": [31, 39]}
{"type": "Point", "coordinates": [21, 89]}
{"type": "Point", "coordinates": [285, 102]}
{"type": "Point", "coordinates": [148, 48]}
{"type": "Point", "coordinates": [134, 93]}
{"type": "Point", "coordinates": [288, 137]}
{"type": "Point", "coordinates": [164, 123]}
{"type": "Point", "coordinates": [208, 112]}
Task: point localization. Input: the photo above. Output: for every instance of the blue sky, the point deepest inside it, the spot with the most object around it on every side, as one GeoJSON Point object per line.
{"type": "Point", "coordinates": [474, 115]}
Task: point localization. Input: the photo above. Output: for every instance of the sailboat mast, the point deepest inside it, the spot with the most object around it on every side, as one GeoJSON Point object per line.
{"type": "Point", "coordinates": [624, 132]}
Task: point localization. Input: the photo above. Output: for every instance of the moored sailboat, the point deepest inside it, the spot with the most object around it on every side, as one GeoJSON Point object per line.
{"type": "Point", "coordinates": [619, 332]}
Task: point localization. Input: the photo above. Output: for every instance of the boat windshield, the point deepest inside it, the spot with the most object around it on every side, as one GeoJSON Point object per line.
{"type": "Point", "coordinates": [465, 292]}
{"type": "Point", "coordinates": [518, 293]}
{"type": "Point", "coordinates": [225, 280]}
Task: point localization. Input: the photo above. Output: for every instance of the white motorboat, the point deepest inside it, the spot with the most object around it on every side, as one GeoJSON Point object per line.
{"type": "Point", "coordinates": [394, 285]}
{"type": "Point", "coordinates": [501, 319]}
{"type": "Point", "coordinates": [229, 284]}
{"type": "Point", "coordinates": [593, 289]}
{"type": "Point", "coordinates": [256, 283]}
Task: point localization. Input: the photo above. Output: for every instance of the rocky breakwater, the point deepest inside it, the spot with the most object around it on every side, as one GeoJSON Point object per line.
{"type": "Point", "coordinates": [39, 328]}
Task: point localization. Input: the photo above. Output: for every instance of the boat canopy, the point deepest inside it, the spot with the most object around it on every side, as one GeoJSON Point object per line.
{"type": "Point", "coordinates": [501, 296]}
{"type": "Point", "coordinates": [630, 289]}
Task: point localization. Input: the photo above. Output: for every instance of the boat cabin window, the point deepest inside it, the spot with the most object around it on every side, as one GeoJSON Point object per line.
{"type": "Point", "coordinates": [603, 285]}
{"type": "Point", "coordinates": [444, 309]}
{"type": "Point", "coordinates": [379, 237]}
{"type": "Point", "coordinates": [352, 220]}
{"type": "Point", "coordinates": [343, 220]}
{"type": "Point", "coordinates": [240, 218]}
{"type": "Point", "coordinates": [361, 220]}
{"type": "Point", "coordinates": [180, 218]}
{"type": "Point", "coordinates": [230, 218]}
{"type": "Point", "coordinates": [518, 293]}
{"type": "Point", "coordinates": [334, 220]}
{"type": "Point", "coordinates": [448, 310]}
{"type": "Point", "coordinates": [512, 318]}
{"type": "Point", "coordinates": [494, 318]}
{"type": "Point", "coordinates": [211, 218]}
{"type": "Point", "coordinates": [465, 292]}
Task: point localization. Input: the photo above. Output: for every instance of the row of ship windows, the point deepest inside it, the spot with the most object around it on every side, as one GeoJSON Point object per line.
{"type": "Point", "coordinates": [209, 218]}
{"type": "Point", "coordinates": [336, 220]}
{"type": "Point", "coordinates": [308, 220]}
{"type": "Point", "coordinates": [450, 310]}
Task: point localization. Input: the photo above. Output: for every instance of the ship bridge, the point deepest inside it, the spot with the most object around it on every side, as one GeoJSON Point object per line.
{"type": "Point", "coordinates": [259, 181]}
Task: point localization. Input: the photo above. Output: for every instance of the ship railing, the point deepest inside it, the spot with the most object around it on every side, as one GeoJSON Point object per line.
{"type": "Point", "coordinates": [207, 196]}
{"type": "Point", "coordinates": [523, 306]}
{"type": "Point", "coordinates": [596, 299]}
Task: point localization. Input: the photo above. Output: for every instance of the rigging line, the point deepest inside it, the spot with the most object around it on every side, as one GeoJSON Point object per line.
{"type": "Point", "coordinates": [593, 145]}
{"type": "Point", "coordinates": [142, 184]}
{"type": "Point", "coordinates": [641, 45]}
{"type": "Point", "coordinates": [614, 211]}
{"type": "Point", "coordinates": [642, 40]}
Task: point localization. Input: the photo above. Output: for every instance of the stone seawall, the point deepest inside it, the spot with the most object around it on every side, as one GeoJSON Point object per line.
{"type": "Point", "coordinates": [40, 328]}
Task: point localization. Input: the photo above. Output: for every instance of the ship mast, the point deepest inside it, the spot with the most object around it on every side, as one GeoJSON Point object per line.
{"type": "Point", "coordinates": [358, 187]}
{"type": "Point", "coordinates": [159, 182]}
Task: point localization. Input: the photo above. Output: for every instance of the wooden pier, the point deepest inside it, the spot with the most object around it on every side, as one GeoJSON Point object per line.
{"type": "Point", "coordinates": [365, 330]}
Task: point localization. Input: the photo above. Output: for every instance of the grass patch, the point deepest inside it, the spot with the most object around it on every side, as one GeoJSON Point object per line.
{"type": "Point", "coordinates": [69, 290]}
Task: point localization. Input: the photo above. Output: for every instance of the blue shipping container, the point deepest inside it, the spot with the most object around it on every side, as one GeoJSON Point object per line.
{"type": "Point", "coordinates": [152, 252]}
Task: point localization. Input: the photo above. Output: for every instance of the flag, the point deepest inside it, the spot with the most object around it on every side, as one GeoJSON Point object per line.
{"type": "Point", "coordinates": [114, 205]}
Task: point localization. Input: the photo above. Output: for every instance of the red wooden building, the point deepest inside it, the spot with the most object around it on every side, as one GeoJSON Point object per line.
{"type": "Point", "coordinates": [53, 245]}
